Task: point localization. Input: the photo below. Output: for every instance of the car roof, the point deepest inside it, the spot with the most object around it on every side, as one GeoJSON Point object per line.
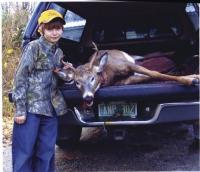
{"type": "Point", "coordinates": [94, 10]}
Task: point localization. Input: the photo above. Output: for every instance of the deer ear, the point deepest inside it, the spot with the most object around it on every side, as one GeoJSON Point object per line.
{"type": "Point", "coordinates": [103, 62]}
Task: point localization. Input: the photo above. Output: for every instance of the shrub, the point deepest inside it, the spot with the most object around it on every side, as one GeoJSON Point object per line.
{"type": "Point", "coordinates": [15, 16]}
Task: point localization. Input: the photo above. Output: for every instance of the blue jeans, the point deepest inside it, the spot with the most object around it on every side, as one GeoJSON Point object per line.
{"type": "Point", "coordinates": [33, 146]}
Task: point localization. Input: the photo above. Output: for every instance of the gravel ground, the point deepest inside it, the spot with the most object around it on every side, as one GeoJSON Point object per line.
{"type": "Point", "coordinates": [145, 149]}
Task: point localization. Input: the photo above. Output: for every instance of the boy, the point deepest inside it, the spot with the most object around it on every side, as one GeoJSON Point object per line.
{"type": "Point", "coordinates": [37, 99]}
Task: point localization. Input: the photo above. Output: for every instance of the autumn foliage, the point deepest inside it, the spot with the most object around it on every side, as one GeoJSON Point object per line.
{"type": "Point", "coordinates": [14, 19]}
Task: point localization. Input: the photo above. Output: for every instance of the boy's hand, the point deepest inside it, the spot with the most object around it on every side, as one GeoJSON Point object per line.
{"type": "Point", "coordinates": [20, 119]}
{"type": "Point", "coordinates": [68, 65]}
{"type": "Point", "coordinates": [56, 70]}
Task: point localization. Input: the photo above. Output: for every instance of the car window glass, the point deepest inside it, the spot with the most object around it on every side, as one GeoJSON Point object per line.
{"type": "Point", "coordinates": [74, 26]}
{"type": "Point", "coordinates": [57, 8]}
{"type": "Point", "coordinates": [154, 28]}
{"type": "Point", "coordinates": [193, 14]}
{"type": "Point", "coordinates": [135, 32]}
{"type": "Point", "coordinates": [163, 30]}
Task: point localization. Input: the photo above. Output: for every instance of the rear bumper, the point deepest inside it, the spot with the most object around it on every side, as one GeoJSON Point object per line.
{"type": "Point", "coordinates": [172, 103]}
{"type": "Point", "coordinates": [166, 112]}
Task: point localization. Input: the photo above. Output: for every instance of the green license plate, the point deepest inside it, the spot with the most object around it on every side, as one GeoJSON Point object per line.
{"type": "Point", "coordinates": [117, 109]}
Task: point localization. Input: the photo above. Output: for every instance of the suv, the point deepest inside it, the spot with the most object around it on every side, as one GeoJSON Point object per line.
{"type": "Point", "coordinates": [163, 35]}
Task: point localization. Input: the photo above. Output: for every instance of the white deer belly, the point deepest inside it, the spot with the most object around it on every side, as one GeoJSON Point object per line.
{"type": "Point", "coordinates": [128, 58]}
{"type": "Point", "coordinates": [132, 60]}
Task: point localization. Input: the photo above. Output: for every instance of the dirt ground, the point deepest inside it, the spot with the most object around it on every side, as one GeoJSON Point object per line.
{"type": "Point", "coordinates": [155, 149]}
{"type": "Point", "coordinates": [7, 130]}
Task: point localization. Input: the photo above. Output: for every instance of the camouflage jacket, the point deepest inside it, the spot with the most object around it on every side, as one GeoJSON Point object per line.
{"type": "Point", "coordinates": [35, 84]}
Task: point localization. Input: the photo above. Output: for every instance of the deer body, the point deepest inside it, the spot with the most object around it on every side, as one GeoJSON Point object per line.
{"type": "Point", "coordinates": [115, 67]}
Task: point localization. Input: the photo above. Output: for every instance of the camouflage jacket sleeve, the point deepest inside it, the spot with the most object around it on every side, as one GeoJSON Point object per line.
{"type": "Point", "coordinates": [21, 80]}
{"type": "Point", "coordinates": [58, 57]}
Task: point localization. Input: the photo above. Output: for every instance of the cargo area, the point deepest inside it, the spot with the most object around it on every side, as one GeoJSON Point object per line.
{"type": "Point", "coordinates": [159, 36]}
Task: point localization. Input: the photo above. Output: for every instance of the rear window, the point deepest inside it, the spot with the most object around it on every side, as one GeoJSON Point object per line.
{"type": "Point", "coordinates": [74, 26]}
{"type": "Point", "coordinates": [119, 31]}
{"type": "Point", "coordinates": [193, 14]}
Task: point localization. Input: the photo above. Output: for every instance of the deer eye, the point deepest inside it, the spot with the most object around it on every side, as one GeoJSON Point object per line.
{"type": "Point", "coordinates": [92, 79]}
{"type": "Point", "coordinates": [78, 84]}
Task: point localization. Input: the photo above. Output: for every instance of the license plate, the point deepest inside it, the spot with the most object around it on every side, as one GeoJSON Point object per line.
{"type": "Point", "coordinates": [117, 109]}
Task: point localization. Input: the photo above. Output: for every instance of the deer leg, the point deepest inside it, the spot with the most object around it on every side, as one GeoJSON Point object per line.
{"type": "Point", "coordinates": [186, 80]}
{"type": "Point", "coordinates": [134, 79]}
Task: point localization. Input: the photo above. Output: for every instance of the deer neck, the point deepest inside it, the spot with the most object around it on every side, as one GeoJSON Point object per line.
{"type": "Point", "coordinates": [104, 79]}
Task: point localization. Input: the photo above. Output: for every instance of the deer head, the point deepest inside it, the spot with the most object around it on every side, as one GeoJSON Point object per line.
{"type": "Point", "coordinates": [87, 77]}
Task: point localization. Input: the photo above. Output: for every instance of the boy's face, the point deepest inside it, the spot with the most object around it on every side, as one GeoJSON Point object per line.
{"type": "Point", "coordinates": [53, 35]}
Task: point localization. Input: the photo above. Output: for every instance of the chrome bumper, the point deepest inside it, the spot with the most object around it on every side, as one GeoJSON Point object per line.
{"type": "Point", "coordinates": [166, 112]}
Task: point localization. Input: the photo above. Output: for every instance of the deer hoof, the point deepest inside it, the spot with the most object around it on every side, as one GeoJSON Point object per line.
{"type": "Point", "coordinates": [195, 82]}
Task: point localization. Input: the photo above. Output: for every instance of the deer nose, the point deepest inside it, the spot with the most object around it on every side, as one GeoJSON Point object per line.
{"type": "Point", "coordinates": [88, 99]}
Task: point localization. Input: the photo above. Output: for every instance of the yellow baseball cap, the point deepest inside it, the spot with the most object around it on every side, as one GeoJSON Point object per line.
{"type": "Point", "coordinates": [49, 15]}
